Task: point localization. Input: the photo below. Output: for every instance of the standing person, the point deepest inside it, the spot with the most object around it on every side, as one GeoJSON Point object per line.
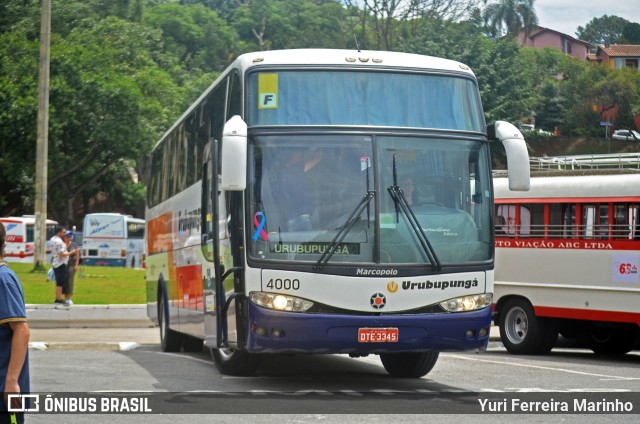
{"type": "Point", "coordinates": [72, 266]}
{"type": "Point", "coordinates": [14, 339]}
{"type": "Point", "coordinates": [60, 258]}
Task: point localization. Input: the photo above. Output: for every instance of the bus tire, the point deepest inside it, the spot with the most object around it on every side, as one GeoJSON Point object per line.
{"type": "Point", "coordinates": [409, 365]}
{"type": "Point", "coordinates": [549, 336]}
{"type": "Point", "coordinates": [238, 363]}
{"type": "Point", "coordinates": [522, 332]}
{"type": "Point", "coordinates": [613, 340]}
{"type": "Point", "coordinates": [170, 340]}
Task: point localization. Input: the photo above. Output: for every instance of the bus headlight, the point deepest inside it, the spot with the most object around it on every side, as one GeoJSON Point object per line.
{"type": "Point", "coordinates": [467, 303]}
{"type": "Point", "coordinates": [280, 302]}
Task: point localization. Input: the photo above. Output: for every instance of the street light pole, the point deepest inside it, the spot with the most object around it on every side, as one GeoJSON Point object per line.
{"type": "Point", "coordinates": [42, 143]}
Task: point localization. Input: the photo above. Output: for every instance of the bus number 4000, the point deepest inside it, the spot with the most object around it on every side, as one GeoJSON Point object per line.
{"type": "Point", "coordinates": [283, 284]}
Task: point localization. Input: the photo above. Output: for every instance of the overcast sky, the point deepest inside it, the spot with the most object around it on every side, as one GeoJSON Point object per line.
{"type": "Point", "coordinates": [567, 15]}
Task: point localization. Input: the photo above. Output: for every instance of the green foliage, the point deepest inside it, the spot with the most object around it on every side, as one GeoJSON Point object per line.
{"type": "Point", "coordinates": [194, 35]}
{"type": "Point", "coordinates": [603, 30]}
{"type": "Point", "coordinates": [509, 17]}
{"type": "Point", "coordinates": [18, 116]}
{"type": "Point", "coordinates": [631, 33]}
{"type": "Point", "coordinates": [551, 107]}
{"type": "Point", "coordinates": [109, 100]}
{"type": "Point", "coordinates": [506, 92]}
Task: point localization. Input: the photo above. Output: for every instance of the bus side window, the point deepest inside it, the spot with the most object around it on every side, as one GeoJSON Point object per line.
{"type": "Point", "coordinates": [537, 220]}
{"type": "Point", "coordinates": [555, 220]}
{"type": "Point", "coordinates": [569, 221]}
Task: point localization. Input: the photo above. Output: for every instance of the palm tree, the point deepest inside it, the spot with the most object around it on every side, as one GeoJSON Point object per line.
{"type": "Point", "coordinates": [510, 16]}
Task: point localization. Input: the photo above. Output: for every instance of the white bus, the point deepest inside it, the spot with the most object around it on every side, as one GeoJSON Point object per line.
{"type": "Point", "coordinates": [567, 257]}
{"type": "Point", "coordinates": [327, 201]}
{"type": "Point", "coordinates": [113, 239]}
{"type": "Point", "coordinates": [20, 242]}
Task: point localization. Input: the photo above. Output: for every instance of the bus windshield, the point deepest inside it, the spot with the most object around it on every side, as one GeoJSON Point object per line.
{"type": "Point", "coordinates": [304, 190]}
{"type": "Point", "coordinates": [415, 100]}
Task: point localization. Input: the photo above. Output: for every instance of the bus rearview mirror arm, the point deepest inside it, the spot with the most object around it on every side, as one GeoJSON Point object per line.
{"type": "Point", "coordinates": [234, 155]}
{"type": "Point", "coordinates": [517, 155]}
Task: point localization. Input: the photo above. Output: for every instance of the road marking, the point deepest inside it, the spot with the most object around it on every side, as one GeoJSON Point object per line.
{"type": "Point", "coordinates": [518, 364]}
{"type": "Point", "coordinates": [128, 345]}
{"type": "Point", "coordinates": [37, 345]}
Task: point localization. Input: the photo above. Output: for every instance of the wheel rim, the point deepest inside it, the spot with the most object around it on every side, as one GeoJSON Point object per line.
{"type": "Point", "coordinates": [516, 325]}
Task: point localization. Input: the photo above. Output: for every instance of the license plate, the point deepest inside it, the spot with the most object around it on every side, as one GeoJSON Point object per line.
{"type": "Point", "coordinates": [377, 335]}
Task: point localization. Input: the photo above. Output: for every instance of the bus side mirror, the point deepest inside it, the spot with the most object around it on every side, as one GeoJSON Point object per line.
{"type": "Point", "coordinates": [234, 155]}
{"type": "Point", "coordinates": [517, 155]}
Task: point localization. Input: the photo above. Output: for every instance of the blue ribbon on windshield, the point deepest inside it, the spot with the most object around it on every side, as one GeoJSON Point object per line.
{"type": "Point", "coordinates": [260, 226]}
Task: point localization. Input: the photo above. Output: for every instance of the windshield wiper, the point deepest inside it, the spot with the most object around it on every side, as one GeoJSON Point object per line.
{"type": "Point", "coordinates": [401, 204]}
{"type": "Point", "coordinates": [344, 229]}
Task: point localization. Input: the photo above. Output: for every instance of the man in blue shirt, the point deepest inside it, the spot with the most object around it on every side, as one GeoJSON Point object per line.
{"type": "Point", "coordinates": [14, 339]}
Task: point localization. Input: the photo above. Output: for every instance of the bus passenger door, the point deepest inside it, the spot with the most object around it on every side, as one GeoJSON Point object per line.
{"type": "Point", "coordinates": [215, 250]}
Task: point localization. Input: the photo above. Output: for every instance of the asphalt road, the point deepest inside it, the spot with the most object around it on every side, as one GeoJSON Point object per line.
{"type": "Point", "coordinates": [331, 388]}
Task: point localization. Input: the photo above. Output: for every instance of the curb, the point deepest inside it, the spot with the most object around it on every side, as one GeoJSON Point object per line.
{"type": "Point", "coordinates": [113, 346]}
{"type": "Point", "coordinates": [94, 316]}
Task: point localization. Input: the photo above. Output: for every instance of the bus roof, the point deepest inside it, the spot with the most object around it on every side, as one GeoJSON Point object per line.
{"type": "Point", "coordinates": [363, 58]}
{"type": "Point", "coordinates": [572, 186]}
{"type": "Point", "coordinates": [25, 219]}
{"type": "Point", "coordinates": [113, 214]}
{"type": "Point", "coordinates": [366, 59]}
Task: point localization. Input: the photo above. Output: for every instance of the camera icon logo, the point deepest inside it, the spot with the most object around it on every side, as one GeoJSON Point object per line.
{"type": "Point", "coordinates": [27, 403]}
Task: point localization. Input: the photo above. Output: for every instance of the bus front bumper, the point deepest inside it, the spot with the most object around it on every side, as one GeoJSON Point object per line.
{"type": "Point", "coordinates": [275, 331]}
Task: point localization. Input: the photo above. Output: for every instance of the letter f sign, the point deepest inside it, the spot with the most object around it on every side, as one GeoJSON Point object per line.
{"type": "Point", "coordinates": [268, 101]}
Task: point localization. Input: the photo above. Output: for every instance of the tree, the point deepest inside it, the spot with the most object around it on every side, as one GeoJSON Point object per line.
{"type": "Point", "coordinates": [603, 30]}
{"type": "Point", "coordinates": [631, 33]}
{"type": "Point", "coordinates": [109, 102]}
{"type": "Point", "coordinates": [280, 24]}
{"type": "Point", "coordinates": [390, 17]}
{"type": "Point", "coordinates": [194, 34]}
{"type": "Point", "coordinates": [18, 117]}
{"type": "Point", "coordinates": [510, 16]}
{"type": "Point", "coordinates": [550, 110]}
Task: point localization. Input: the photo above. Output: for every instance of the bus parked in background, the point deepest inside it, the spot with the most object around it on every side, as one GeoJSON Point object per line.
{"type": "Point", "coordinates": [567, 258]}
{"type": "Point", "coordinates": [327, 201]}
{"type": "Point", "coordinates": [20, 242]}
{"type": "Point", "coordinates": [113, 239]}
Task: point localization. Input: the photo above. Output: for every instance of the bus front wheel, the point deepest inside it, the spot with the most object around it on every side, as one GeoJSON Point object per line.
{"type": "Point", "coordinates": [235, 362]}
{"type": "Point", "coordinates": [522, 332]}
{"type": "Point", "coordinates": [409, 365]}
{"type": "Point", "coordinates": [170, 341]}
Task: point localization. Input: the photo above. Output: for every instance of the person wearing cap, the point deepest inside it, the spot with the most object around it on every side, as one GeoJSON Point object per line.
{"type": "Point", "coordinates": [72, 266]}
{"type": "Point", "coordinates": [60, 258]}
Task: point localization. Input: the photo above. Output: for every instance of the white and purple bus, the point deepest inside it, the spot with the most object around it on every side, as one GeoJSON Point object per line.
{"type": "Point", "coordinates": [327, 201]}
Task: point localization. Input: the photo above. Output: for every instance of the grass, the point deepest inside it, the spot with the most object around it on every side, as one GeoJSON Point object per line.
{"type": "Point", "coordinates": [97, 286]}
